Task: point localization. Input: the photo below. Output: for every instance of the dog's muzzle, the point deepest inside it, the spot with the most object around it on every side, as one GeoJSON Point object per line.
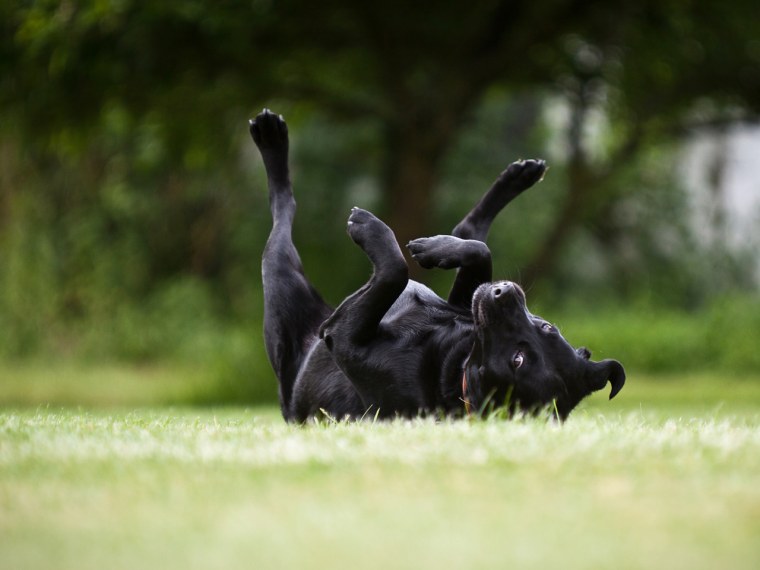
{"type": "Point", "coordinates": [502, 298]}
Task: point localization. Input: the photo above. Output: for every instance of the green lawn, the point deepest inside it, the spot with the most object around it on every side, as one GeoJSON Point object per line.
{"type": "Point", "coordinates": [667, 475]}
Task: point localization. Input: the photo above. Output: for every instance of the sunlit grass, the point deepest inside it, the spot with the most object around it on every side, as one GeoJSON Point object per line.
{"type": "Point", "coordinates": [642, 487]}
{"type": "Point", "coordinates": [69, 383]}
{"type": "Point", "coordinates": [72, 383]}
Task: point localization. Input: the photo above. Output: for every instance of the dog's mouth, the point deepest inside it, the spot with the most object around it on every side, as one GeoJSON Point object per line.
{"type": "Point", "coordinates": [503, 300]}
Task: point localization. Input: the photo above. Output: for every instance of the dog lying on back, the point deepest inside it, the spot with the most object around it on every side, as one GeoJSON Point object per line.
{"type": "Point", "coordinates": [394, 348]}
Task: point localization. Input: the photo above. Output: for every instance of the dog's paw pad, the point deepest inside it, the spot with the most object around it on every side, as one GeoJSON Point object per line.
{"type": "Point", "coordinates": [364, 227]}
{"type": "Point", "coordinates": [269, 131]}
{"type": "Point", "coordinates": [359, 216]}
{"type": "Point", "coordinates": [433, 251]}
{"type": "Point", "coordinates": [524, 172]}
{"type": "Point", "coordinates": [421, 252]}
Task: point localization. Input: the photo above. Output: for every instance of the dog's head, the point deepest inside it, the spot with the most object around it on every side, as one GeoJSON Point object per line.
{"type": "Point", "coordinates": [522, 361]}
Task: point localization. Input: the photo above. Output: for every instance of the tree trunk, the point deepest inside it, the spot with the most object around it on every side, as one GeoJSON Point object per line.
{"type": "Point", "coordinates": [410, 196]}
{"type": "Point", "coordinates": [581, 185]}
{"type": "Point", "coordinates": [580, 189]}
{"type": "Point", "coordinates": [411, 174]}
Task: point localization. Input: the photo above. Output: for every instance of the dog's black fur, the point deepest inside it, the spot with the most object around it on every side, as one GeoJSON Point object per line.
{"type": "Point", "coordinates": [394, 348]}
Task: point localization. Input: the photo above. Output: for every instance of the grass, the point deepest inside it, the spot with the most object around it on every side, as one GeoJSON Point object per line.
{"type": "Point", "coordinates": [71, 383]}
{"type": "Point", "coordinates": [664, 476]}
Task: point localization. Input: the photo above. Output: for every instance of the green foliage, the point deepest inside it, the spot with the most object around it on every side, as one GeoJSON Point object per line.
{"type": "Point", "coordinates": [734, 325]}
{"type": "Point", "coordinates": [656, 338]}
{"type": "Point", "coordinates": [179, 356]}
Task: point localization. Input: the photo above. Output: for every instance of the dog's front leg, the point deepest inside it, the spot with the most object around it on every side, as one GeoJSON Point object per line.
{"type": "Point", "coordinates": [471, 257]}
{"type": "Point", "coordinates": [356, 320]}
{"type": "Point", "coordinates": [353, 331]}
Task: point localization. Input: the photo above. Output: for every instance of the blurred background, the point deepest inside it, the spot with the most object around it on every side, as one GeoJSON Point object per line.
{"type": "Point", "coordinates": [133, 209]}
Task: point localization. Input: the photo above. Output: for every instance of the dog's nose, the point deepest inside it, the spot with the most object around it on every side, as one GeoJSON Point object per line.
{"type": "Point", "coordinates": [499, 289]}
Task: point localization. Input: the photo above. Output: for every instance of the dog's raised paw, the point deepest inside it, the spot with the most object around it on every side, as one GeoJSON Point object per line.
{"type": "Point", "coordinates": [424, 252]}
{"type": "Point", "coordinates": [437, 251]}
{"type": "Point", "coordinates": [269, 131]}
{"type": "Point", "coordinates": [360, 218]}
{"type": "Point", "coordinates": [364, 227]}
{"type": "Point", "coordinates": [524, 172]}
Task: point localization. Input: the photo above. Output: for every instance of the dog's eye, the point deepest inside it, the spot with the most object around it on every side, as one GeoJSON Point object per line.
{"type": "Point", "coordinates": [518, 359]}
{"type": "Point", "coordinates": [548, 327]}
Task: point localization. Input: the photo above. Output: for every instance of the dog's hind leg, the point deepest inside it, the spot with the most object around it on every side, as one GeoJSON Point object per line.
{"type": "Point", "coordinates": [518, 177]}
{"type": "Point", "coordinates": [293, 310]}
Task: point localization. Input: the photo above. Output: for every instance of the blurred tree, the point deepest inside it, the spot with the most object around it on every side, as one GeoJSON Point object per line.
{"type": "Point", "coordinates": [657, 72]}
{"type": "Point", "coordinates": [653, 68]}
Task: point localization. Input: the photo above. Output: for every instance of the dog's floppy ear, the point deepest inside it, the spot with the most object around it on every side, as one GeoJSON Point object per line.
{"type": "Point", "coordinates": [598, 373]}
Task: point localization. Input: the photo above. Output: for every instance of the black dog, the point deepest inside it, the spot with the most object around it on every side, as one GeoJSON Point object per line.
{"type": "Point", "coordinates": [394, 348]}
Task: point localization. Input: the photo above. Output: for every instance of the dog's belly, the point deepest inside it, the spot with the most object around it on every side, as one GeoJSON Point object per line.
{"type": "Point", "coordinates": [418, 325]}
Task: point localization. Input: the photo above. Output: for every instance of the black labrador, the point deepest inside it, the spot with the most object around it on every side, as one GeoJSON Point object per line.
{"type": "Point", "coordinates": [394, 348]}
